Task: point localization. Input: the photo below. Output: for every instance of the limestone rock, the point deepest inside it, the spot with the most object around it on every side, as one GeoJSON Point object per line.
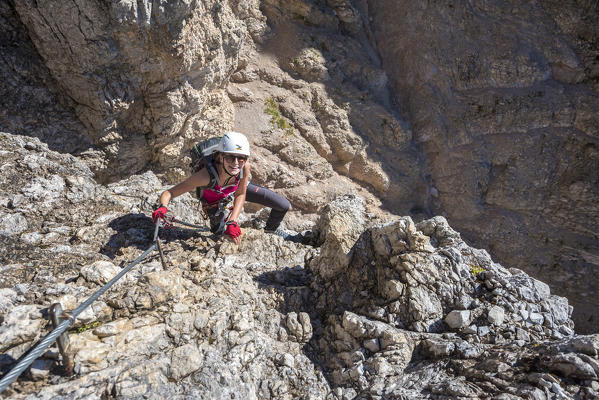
{"type": "Point", "coordinates": [496, 315]}
{"type": "Point", "coordinates": [261, 319]}
{"type": "Point", "coordinates": [500, 139]}
{"type": "Point", "coordinates": [339, 228]}
{"type": "Point", "coordinates": [184, 361]}
{"type": "Point", "coordinates": [336, 97]}
{"type": "Point", "coordinates": [438, 349]}
{"type": "Point", "coordinates": [21, 324]}
{"type": "Point", "coordinates": [100, 272]}
{"type": "Point", "coordinates": [457, 319]}
{"type": "Point", "coordinates": [300, 328]}
{"type": "Point", "coordinates": [483, 108]}
{"type": "Point", "coordinates": [118, 66]}
{"type": "Point", "coordinates": [12, 224]}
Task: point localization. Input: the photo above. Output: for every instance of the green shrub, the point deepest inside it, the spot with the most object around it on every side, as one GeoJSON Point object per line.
{"type": "Point", "coordinates": [89, 326]}
{"type": "Point", "coordinates": [276, 119]}
{"type": "Point", "coordinates": [475, 269]}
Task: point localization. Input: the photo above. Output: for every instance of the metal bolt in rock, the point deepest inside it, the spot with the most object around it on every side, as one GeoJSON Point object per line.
{"type": "Point", "coordinates": [57, 315]}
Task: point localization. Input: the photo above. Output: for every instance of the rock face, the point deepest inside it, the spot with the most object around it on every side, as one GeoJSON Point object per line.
{"type": "Point", "coordinates": [486, 114]}
{"type": "Point", "coordinates": [29, 99]}
{"type": "Point", "coordinates": [139, 73]}
{"type": "Point", "coordinates": [503, 101]}
{"type": "Point", "coordinates": [402, 310]}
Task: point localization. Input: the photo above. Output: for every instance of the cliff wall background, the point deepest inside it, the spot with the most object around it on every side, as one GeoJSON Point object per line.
{"type": "Point", "coordinates": [485, 112]}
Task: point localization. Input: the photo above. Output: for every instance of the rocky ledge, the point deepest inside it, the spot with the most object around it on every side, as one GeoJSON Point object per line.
{"type": "Point", "coordinates": [357, 309]}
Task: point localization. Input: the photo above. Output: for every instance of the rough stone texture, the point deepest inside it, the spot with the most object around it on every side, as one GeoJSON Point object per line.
{"type": "Point", "coordinates": [503, 100]}
{"type": "Point", "coordinates": [485, 113]}
{"type": "Point", "coordinates": [29, 98]}
{"type": "Point", "coordinates": [260, 320]}
{"type": "Point", "coordinates": [496, 315]}
{"type": "Point", "coordinates": [150, 96]}
{"type": "Point", "coordinates": [142, 76]}
{"type": "Point", "coordinates": [457, 319]}
{"type": "Point", "coordinates": [392, 347]}
{"type": "Point", "coordinates": [199, 329]}
{"type": "Point", "coordinates": [341, 224]}
{"type": "Point", "coordinates": [323, 81]}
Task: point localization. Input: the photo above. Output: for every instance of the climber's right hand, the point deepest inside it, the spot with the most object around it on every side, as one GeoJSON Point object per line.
{"type": "Point", "coordinates": [159, 213]}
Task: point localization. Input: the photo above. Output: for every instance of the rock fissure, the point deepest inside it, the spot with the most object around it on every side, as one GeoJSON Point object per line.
{"type": "Point", "coordinates": [484, 114]}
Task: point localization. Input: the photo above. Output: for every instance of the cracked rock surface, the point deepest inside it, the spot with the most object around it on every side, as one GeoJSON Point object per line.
{"type": "Point", "coordinates": [400, 310]}
{"type": "Point", "coordinates": [484, 113]}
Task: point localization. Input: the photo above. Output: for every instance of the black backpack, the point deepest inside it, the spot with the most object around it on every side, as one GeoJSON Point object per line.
{"type": "Point", "coordinates": [202, 156]}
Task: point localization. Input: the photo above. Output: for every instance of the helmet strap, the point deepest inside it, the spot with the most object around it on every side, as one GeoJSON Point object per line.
{"type": "Point", "coordinates": [222, 162]}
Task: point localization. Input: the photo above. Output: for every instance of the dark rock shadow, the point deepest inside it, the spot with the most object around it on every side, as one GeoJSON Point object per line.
{"type": "Point", "coordinates": [30, 100]}
{"type": "Point", "coordinates": [182, 234]}
{"type": "Point", "coordinates": [294, 284]}
{"type": "Point", "coordinates": [374, 111]}
{"type": "Point", "coordinates": [131, 230]}
{"type": "Point", "coordinates": [6, 363]}
{"type": "Point", "coordinates": [137, 230]}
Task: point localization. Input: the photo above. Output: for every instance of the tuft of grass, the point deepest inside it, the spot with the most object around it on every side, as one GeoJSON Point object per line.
{"type": "Point", "coordinates": [276, 119]}
{"type": "Point", "coordinates": [475, 269]}
{"type": "Point", "coordinates": [87, 327]}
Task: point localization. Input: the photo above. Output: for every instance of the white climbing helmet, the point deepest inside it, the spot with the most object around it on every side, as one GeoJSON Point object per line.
{"type": "Point", "coordinates": [234, 143]}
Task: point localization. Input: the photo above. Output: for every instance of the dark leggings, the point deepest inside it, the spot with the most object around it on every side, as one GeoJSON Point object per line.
{"type": "Point", "coordinates": [260, 195]}
{"type": "Point", "coordinates": [266, 197]}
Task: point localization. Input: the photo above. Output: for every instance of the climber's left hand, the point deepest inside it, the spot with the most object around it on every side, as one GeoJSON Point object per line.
{"type": "Point", "coordinates": [233, 232]}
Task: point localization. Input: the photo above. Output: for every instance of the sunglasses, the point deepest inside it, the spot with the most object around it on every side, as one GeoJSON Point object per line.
{"type": "Point", "coordinates": [231, 158]}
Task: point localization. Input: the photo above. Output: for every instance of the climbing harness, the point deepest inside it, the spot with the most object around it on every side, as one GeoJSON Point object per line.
{"type": "Point", "coordinates": [61, 320]}
{"type": "Point", "coordinates": [217, 213]}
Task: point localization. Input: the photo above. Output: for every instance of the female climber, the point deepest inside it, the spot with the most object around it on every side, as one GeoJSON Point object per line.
{"type": "Point", "coordinates": [226, 180]}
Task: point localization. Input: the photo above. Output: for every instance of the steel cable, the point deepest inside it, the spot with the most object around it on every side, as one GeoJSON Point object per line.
{"type": "Point", "coordinates": [177, 221]}
{"type": "Point", "coordinates": [37, 351]}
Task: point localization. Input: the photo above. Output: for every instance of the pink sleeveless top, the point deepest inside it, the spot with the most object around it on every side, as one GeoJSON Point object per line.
{"type": "Point", "coordinates": [218, 193]}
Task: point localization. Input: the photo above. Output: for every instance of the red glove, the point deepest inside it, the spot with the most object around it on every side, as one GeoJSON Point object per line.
{"type": "Point", "coordinates": [159, 213]}
{"type": "Point", "coordinates": [233, 229]}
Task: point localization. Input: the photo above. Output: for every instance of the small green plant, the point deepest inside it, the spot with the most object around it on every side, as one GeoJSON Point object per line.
{"type": "Point", "coordinates": [276, 119]}
{"type": "Point", "coordinates": [89, 326]}
{"type": "Point", "coordinates": [475, 269]}
{"type": "Point", "coordinates": [313, 54]}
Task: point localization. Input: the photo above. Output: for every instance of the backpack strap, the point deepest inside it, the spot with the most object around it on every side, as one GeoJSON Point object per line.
{"type": "Point", "coordinates": [214, 178]}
